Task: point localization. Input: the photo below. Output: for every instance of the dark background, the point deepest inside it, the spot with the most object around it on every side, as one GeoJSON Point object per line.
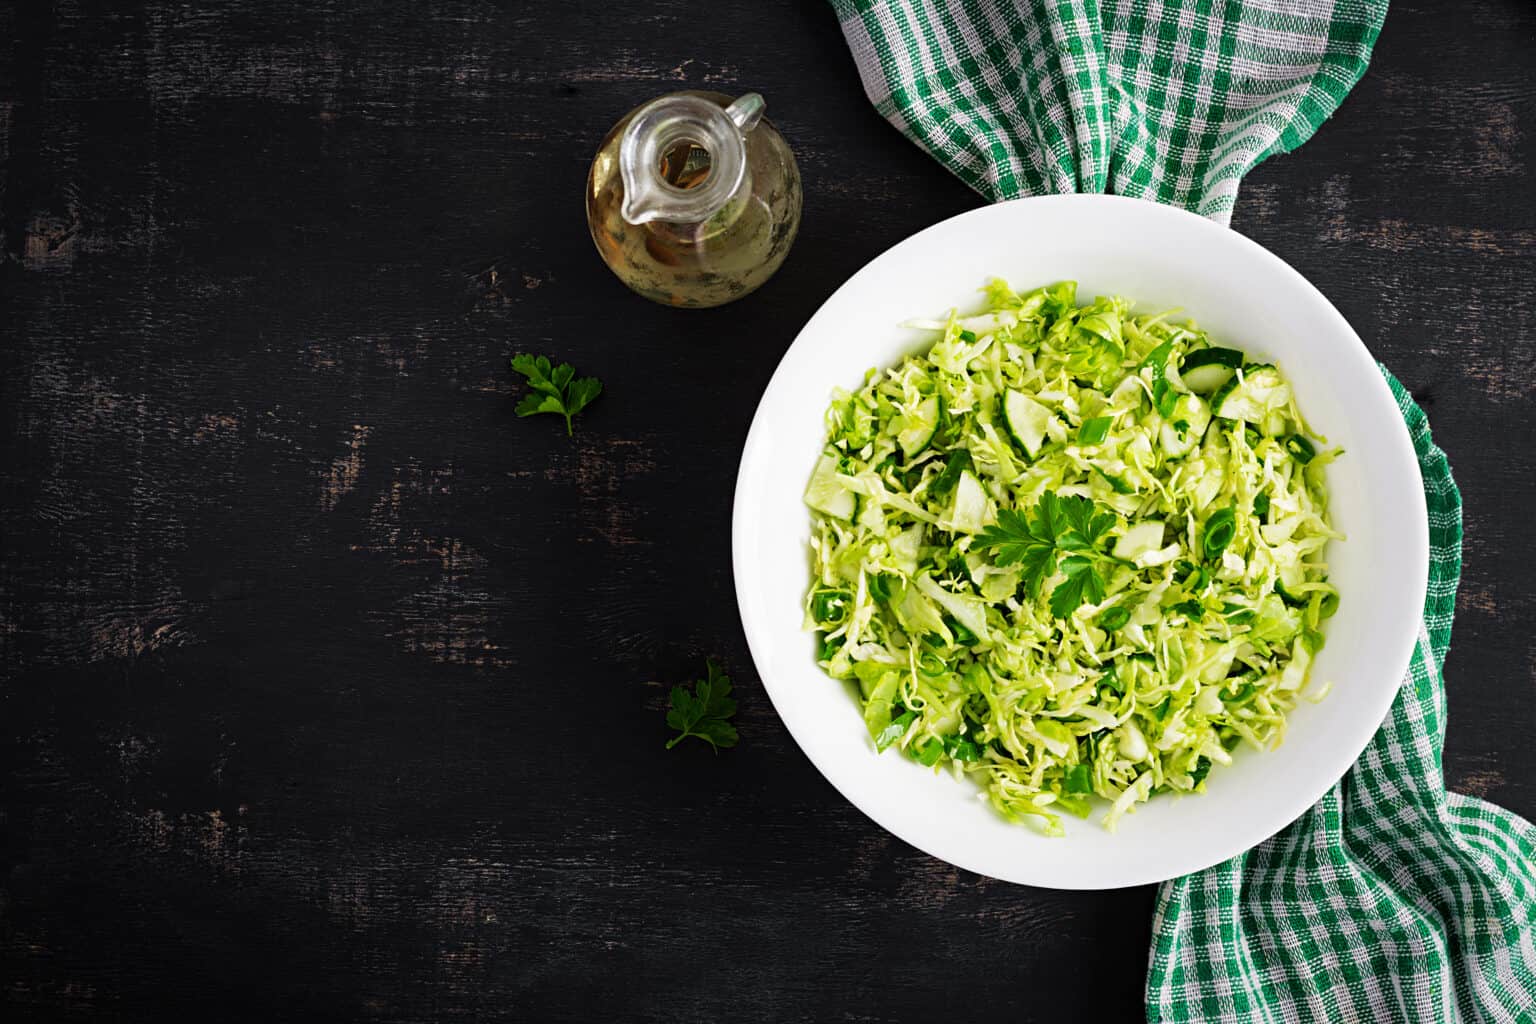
{"type": "Point", "coordinates": [329, 687]}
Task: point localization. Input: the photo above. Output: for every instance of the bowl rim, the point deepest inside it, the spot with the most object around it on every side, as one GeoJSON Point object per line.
{"type": "Point", "coordinates": [1399, 444]}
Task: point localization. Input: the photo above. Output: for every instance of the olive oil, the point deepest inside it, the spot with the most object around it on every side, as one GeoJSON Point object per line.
{"type": "Point", "coordinates": [694, 200]}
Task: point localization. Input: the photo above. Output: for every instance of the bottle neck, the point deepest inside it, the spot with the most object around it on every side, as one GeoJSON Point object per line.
{"type": "Point", "coordinates": [683, 160]}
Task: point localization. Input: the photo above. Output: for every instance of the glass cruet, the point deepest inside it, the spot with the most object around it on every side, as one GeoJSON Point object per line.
{"type": "Point", "coordinates": [694, 199]}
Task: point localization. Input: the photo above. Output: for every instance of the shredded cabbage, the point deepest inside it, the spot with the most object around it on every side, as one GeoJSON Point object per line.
{"type": "Point", "coordinates": [1052, 563]}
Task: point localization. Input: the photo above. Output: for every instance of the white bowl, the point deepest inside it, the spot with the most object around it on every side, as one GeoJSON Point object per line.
{"type": "Point", "coordinates": [1246, 297]}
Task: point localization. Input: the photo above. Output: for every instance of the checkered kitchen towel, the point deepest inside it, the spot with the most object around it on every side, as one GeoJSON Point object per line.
{"type": "Point", "coordinates": [1392, 900]}
{"type": "Point", "coordinates": [1172, 100]}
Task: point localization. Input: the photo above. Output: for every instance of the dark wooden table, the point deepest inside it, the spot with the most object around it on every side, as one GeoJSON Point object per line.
{"type": "Point", "coordinates": [329, 688]}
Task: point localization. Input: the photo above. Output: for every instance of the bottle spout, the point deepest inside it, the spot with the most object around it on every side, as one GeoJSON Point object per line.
{"type": "Point", "coordinates": [683, 157]}
{"type": "Point", "coordinates": [642, 202]}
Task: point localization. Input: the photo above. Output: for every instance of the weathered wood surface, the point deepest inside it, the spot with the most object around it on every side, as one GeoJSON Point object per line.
{"type": "Point", "coordinates": [328, 687]}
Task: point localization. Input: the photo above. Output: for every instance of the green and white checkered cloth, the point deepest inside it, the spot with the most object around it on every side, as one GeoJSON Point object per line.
{"type": "Point", "coordinates": [1171, 100]}
{"type": "Point", "coordinates": [1392, 900]}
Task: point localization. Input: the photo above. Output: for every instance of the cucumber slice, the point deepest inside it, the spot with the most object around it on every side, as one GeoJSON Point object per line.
{"type": "Point", "coordinates": [1231, 358]}
{"type": "Point", "coordinates": [968, 611]}
{"type": "Point", "coordinates": [1291, 577]}
{"type": "Point", "coordinates": [870, 514]}
{"type": "Point", "coordinates": [1206, 370]}
{"type": "Point", "coordinates": [1191, 411]}
{"type": "Point", "coordinates": [826, 491]}
{"type": "Point", "coordinates": [1252, 395]}
{"type": "Point", "coordinates": [918, 615]}
{"type": "Point", "coordinates": [1026, 420]}
{"type": "Point", "coordinates": [906, 547]}
{"type": "Point", "coordinates": [1203, 380]}
{"type": "Point", "coordinates": [922, 424]}
{"type": "Point", "coordinates": [968, 513]}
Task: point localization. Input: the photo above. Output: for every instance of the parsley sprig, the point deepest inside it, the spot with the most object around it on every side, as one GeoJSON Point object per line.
{"type": "Point", "coordinates": [556, 389]}
{"type": "Point", "coordinates": [1058, 533]}
{"type": "Point", "coordinates": [704, 712]}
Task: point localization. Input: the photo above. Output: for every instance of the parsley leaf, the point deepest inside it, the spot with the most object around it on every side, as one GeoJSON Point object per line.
{"type": "Point", "coordinates": [703, 713]}
{"type": "Point", "coordinates": [1026, 541]}
{"type": "Point", "coordinates": [1054, 527]}
{"type": "Point", "coordinates": [1083, 584]}
{"type": "Point", "coordinates": [1087, 525]}
{"type": "Point", "coordinates": [556, 389]}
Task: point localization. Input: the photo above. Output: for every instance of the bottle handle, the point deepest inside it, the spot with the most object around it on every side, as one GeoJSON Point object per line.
{"type": "Point", "coordinates": [746, 111]}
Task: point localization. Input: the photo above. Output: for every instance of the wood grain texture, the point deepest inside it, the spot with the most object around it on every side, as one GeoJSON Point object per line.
{"type": "Point", "coordinates": [328, 688]}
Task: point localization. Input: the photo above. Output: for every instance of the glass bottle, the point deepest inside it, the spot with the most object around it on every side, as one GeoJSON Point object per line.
{"type": "Point", "coordinates": [693, 199]}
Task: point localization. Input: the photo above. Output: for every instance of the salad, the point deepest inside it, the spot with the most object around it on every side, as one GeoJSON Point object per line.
{"type": "Point", "coordinates": [1072, 552]}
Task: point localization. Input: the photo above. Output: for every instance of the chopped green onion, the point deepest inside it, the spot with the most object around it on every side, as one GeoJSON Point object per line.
{"type": "Point", "coordinates": [830, 606]}
{"type": "Point", "coordinates": [928, 751]}
{"type": "Point", "coordinates": [1094, 431]}
{"type": "Point", "coordinates": [896, 730]}
{"type": "Point", "coordinates": [1219, 530]}
{"type": "Point", "coordinates": [1079, 779]}
{"type": "Point", "coordinates": [1300, 448]}
{"type": "Point", "coordinates": [1115, 618]}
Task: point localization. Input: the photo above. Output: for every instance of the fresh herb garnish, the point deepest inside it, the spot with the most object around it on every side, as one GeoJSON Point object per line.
{"type": "Point", "coordinates": [1083, 584]}
{"type": "Point", "coordinates": [704, 713]}
{"type": "Point", "coordinates": [1035, 542]}
{"type": "Point", "coordinates": [556, 389]}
